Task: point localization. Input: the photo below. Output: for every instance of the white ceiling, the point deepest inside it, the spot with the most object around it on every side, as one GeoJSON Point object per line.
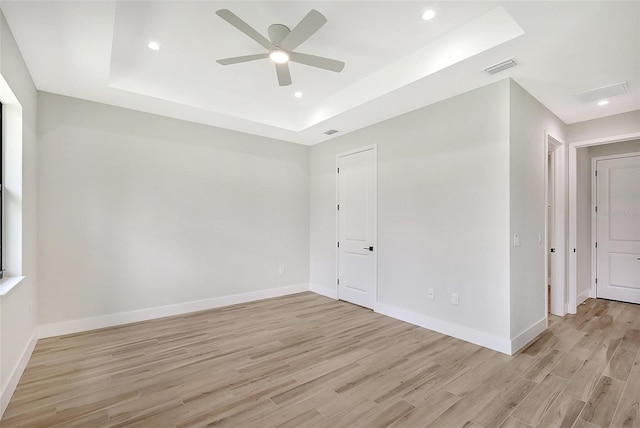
{"type": "Point", "coordinates": [395, 61]}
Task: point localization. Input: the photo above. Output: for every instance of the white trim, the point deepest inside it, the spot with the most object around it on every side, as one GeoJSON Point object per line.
{"type": "Point", "coordinates": [9, 388]}
{"type": "Point", "coordinates": [593, 289]}
{"type": "Point", "coordinates": [12, 181]}
{"type": "Point", "coordinates": [8, 283]}
{"type": "Point", "coordinates": [584, 296]}
{"type": "Point", "coordinates": [487, 340]}
{"type": "Point", "coordinates": [358, 150]}
{"type": "Point", "coordinates": [546, 221]}
{"type": "Point", "coordinates": [529, 335]}
{"type": "Point", "coordinates": [85, 324]}
{"type": "Point", "coordinates": [606, 140]}
{"type": "Point", "coordinates": [573, 203]}
{"type": "Point", "coordinates": [618, 156]}
{"type": "Point", "coordinates": [331, 293]}
{"type": "Point", "coordinates": [559, 215]}
{"type": "Point", "coordinates": [373, 147]}
{"type": "Point", "coordinates": [572, 305]}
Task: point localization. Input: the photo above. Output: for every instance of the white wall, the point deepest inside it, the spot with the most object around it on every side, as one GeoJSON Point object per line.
{"type": "Point", "coordinates": [443, 214]}
{"type": "Point", "coordinates": [583, 224]}
{"type": "Point", "coordinates": [614, 149]}
{"type": "Point", "coordinates": [619, 124]}
{"type": "Point", "coordinates": [528, 122]}
{"type": "Point", "coordinates": [140, 211]}
{"type": "Point", "coordinates": [18, 306]}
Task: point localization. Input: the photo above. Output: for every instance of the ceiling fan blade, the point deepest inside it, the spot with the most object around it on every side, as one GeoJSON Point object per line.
{"type": "Point", "coordinates": [239, 59]}
{"type": "Point", "coordinates": [234, 20]}
{"type": "Point", "coordinates": [311, 23]}
{"type": "Point", "coordinates": [284, 76]}
{"type": "Point", "coordinates": [317, 61]}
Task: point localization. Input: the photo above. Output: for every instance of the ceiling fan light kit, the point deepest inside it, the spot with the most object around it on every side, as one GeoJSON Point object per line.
{"type": "Point", "coordinates": [279, 57]}
{"type": "Point", "coordinates": [281, 44]}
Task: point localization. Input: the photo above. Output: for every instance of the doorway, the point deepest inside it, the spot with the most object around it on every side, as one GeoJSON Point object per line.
{"type": "Point", "coordinates": [617, 226]}
{"type": "Point", "coordinates": [572, 297]}
{"type": "Point", "coordinates": [555, 226]}
{"type": "Point", "coordinates": [357, 225]}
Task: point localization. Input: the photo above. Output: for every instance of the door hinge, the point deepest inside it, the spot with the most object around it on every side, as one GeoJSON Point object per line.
{"type": "Point", "coordinates": [596, 208]}
{"type": "Point", "coordinates": [596, 245]}
{"type": "Point", "coordinates": [338, 244]}
{"type": "Point", "coordinates": [338, 207]}
{"type": "Point", "coordinates": [338, 170]}
{"type": "Point", "coordinates": [338, 281]}
{"type": "Point", "coordinates": [596, 172]}
{"type": "Point", "coordinates": [596, 280]}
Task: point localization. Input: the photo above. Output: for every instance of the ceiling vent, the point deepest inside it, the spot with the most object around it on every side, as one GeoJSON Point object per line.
{"type": "Point", "coordinates": [602, 93]}
{"type": "Point", "coordinates": [501, 66]}
{"type": "Point", "coordinates": [330, 132]}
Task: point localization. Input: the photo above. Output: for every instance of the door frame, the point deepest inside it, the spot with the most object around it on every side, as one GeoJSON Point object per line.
{"type": "Point", "coordinates": [556, 148]}
{"type": "Point", "coordinates": [373, 147]}
{"type": "Point", "coordinates": [573, 203]}
{"type": "Point", "coordinates": [593, 289]}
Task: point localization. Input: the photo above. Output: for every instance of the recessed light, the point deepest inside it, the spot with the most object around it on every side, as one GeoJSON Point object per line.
{"type": "Point", "coordinates": [279, 57]}
{"type": "Point", "coordinates": [298, 94]}
{"type": "Point", "coordinates": [428, 15]}
{"type": "Point", "coordinates": [154, 46]}
{"type": "Point", "coordinates": [603, 102]}
{"type": "Point", "coordinates": [604, 92]}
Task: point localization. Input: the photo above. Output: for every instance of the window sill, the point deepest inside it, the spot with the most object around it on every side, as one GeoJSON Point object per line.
{"type": "Point", "coordinates": [8, 283]}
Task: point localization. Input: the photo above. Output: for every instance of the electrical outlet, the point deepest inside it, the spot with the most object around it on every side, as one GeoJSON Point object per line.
{"type": "Point", "coordinates": [432, 294]}
{"type": "Point", "coordinates": [280, 270]}
{"type": "Point", "coordinates": [455, 298]}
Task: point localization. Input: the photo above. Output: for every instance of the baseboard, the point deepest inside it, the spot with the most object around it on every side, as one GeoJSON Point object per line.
{"type": "Point", "coordinates": [527, 336]}
{"type": "Point", "coordinates": [478, 337]}
{"type": "Point", "coordinates": [324, 291]}
{"type": "Point", "coordinates": [86, 324]}
{"type": "Point", "coordinates": [583, 296]}
{"type": "Point", "coordinates": [11, 384]}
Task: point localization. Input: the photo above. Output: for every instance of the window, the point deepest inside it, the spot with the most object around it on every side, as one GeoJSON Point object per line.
{"type": "Point", "coordinates": [1, 192]}
{"type": "Point", "coordinates": [10, 189]}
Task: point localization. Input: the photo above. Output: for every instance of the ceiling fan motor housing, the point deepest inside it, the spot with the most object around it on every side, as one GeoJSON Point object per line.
{"type": "Point", "coordinates": [277, 33]}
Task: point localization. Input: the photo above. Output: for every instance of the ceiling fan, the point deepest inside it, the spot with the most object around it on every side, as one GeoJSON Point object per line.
{"type": "Point", "coordinates": [281, 44]}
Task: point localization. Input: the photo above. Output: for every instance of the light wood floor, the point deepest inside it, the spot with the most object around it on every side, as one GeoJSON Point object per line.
{"type": "Point", "coordinates": [308, 361]}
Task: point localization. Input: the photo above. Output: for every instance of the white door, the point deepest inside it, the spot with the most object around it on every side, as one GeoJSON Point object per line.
{"type": "Point", "coordinates": [551, 245]}
{"type": "Point", "coordinates": [618, 229]}
{"type": "Point", "coordinates": [357, 227]}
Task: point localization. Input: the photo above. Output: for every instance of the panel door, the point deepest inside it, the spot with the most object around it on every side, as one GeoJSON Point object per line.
{"type": "Point", "coordinates": [357, 227]}
{"type": "Point", "coordinates": [618, 229]}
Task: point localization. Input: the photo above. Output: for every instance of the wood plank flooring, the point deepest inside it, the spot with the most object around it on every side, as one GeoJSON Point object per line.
{"type": "Point", "coordinates": [308, 361]}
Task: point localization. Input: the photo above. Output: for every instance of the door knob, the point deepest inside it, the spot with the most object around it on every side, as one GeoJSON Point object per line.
{"type": "Point", "coordinates": [371, 249]}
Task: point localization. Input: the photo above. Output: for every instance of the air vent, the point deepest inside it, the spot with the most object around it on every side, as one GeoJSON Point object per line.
{"type": "Point", "coordinates": [603, 92]}
{"type": "Point", "coordinates": [497, 68]}
{"type": "Point", "coordinates": [330, 132]}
